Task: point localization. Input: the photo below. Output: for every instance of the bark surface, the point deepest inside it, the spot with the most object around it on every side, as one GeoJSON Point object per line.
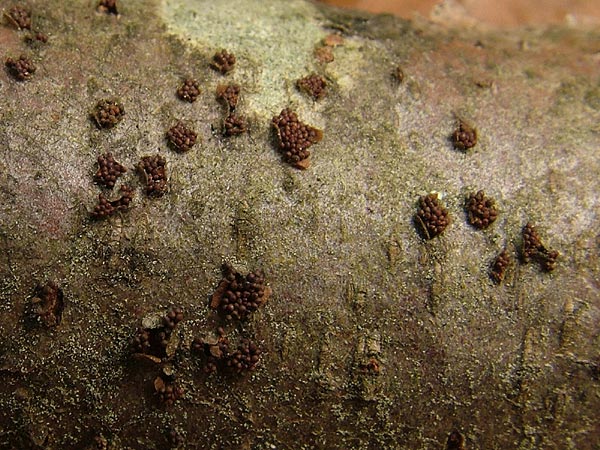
{"type": "Point", "coordinates": [373, 337]}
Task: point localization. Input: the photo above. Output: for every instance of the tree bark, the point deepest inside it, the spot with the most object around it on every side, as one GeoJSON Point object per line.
{"type": "Point", "coordinates": [373, 336]}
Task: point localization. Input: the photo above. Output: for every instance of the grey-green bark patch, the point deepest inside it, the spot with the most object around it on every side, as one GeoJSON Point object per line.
{"type": "Point", "coordinates": [272, 40]}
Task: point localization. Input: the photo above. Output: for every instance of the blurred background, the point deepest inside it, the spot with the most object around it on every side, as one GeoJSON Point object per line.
{"type": "Point", "coordinates": [497, 13]}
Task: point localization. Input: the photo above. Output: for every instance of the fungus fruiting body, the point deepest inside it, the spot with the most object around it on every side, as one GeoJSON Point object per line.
{"type": "Point", "coordinates": [168, 391]}
{"type": "Point", "coordinates": [324, 54]}
{"type": "Point", "coordinates": [21, 69]}
{"type": "Point", "coordinates": [464, 137]}
{"type": "Point", "coordinates": [108, 170]}
{"type": "Point", "coordinates": [431, 218]}
{"type": "Point", "coordinates": [108, 113]}
{"type": "Point", "coordinates": [49, 304]}
{"type": "Point", "coordinates": [234, 124]}
{"type": "Point", "coordinates": [223, 61]}
{"type": "Point", "coordinates": [245, 358]}
{"type": "Point", "coordinates": [154, 168]}
{"type": "Point", "coordinates": [398, 74]}
{"type": "Point", "coordinates": [189, 90]}
{"type": "Point", "coordinates": [534, 249]}
{"type": "Point", "coordinates": [219, 357]}
{"type": "Point", "coordinates": [108, 7]}
{"type": "Point", "coordinates": [36, 37]}
{"type": "Point", "coordinates": [181, 138]}
{"type": "Point", "coordinates": [214, 352]}
{"type": "Point", "coordinates": [19, 17]}
{"type": "Point", "coordinates": [295, 138]}
{"type": "Point", "coordinates": [456, 441]}
{"type": "Point", "coordinates": [229, 95]}
{"type": "Point", "coordinates": [238, 296]}
{"type": "Point", "coordinates": [153, 341]}
{"type": "Point", "coordinates": [481, 210]}
{"type": "Point", "coordinates": [313, 85]}
{"type": "Point", "coordinates": [499, 266]}
{"type": "Point", "coordinates": [106, 208]}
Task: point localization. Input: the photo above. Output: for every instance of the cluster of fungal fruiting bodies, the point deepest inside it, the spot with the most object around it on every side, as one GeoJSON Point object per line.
{"type": "Point", "coordinates": [534, 250]}
{"type": "Point", "coordinates": [313, 85]}
{"type": "Point", "coordinates": [153, 342]}
{"type": "Point", "coordinates": [229, 95]}
{"type": "Point", "coordinates": [189, 90]}
{"type": "Point", "coordinates": [456, 441]}
{"type": "Point", "coordinates": [324, 50]}
{"type": "Point", "coordinates": [295, 137]}
{"type": "Point", "coordinates": [481, 210]}
{"type": "Point", "coordinates": [48, 304]}
{"type": "Point", "coordinates": [223, 61]}
{"type": "Point", "coordinates": [238, 296]}
{"type": "Point", "coordinates": [108, 113]}
{"type": "Point", "coordinates": [154, 169]}
{"type": "Point", "coordinates": [167, 390]}
{"type": "Point", "coordinates": [23, 67]}
{"type": "Point", "coordinates": [108, 171]}
{"type": "Point", "coordinates": [181, 138]}
{"type": "Point", "coordinates": [499, 266]}
{"type": "Point", "coordinates": [219, 356]}
{"type": "Point", "coordinates": [464, 137]}
{"type": "Point", "coordinates": [108, 7]}
{"type": "Point", "coordinates": [432, 218]}
{"type": "Point", "coordinates": [19, 17]}
{"type": "Point", "coordinates": [106, 208]}
{"type": "Point", "coordinates": [233, 124]}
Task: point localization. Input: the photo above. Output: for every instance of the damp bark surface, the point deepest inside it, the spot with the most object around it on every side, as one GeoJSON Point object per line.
{"type": "Point", "coordinates": [372, 337]}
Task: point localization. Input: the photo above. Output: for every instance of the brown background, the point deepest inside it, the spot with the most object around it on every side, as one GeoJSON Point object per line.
{"type": "Point", "coordinates": [504, 13]}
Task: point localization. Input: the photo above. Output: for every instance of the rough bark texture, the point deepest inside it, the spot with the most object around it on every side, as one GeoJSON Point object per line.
{"type": "Point", "coordinates": [373, 337]}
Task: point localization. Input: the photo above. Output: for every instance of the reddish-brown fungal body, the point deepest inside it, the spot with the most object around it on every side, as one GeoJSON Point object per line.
{"type": "Point", "coordinates": [108, 7]}
{"type": "Point", "coordinates": [534, 249]}
{"type": "Point", "coordinates": [295, 138]}
{"type": "Point", "coordinates": [108, 170]}
{"type": "Point", "coordinates": [154, 169]}
{"type": "Point", "coordinates": [189, 90]}
{"type": "Point", "coordinates": [219, 357]}
{"type": "Point", "coordinates": [238, 296]}
{"type": "Point", "coordinates": [481, 210]}
{"type": "Point", "coordinates": [49, 304]}
{"type": "Point", "coordinates": [456, 441]}
{"type": "Point", "coordinates": [19, 17]}
{"type": "Point", "coordinates": [181, 138]}
{"type": "Point", "coordinates": [223, 61]}
{"type": "Point", "coordinates": [229, 95]}
{"type": "Point", "coordinates": [108, 113]}
{"type": "Point", "coordinates": [168, 391]}
{"type": "Point", "coordinates": [499, 266]}
{"type": "Point", "coordinates": [153, 342]}
{"type": "Point", "coordinates": [431, 218]}
{"type": "Point", "coordinates": [234, 124]}
{"type": "Point", "coordinates": [245, 358]}
{"type": "Point", "coordinates": [464, 137]}
{"type": "Point", "coordinates": [398, 75]}
{"type": "Point", "coordinates": [324, 54]}
{"type": "Point", "coordinates": [21, 69]}
{"type": "Point", "coordinates": [106, 208]}
{"type": "Point", "coordinates": [313, 85]}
